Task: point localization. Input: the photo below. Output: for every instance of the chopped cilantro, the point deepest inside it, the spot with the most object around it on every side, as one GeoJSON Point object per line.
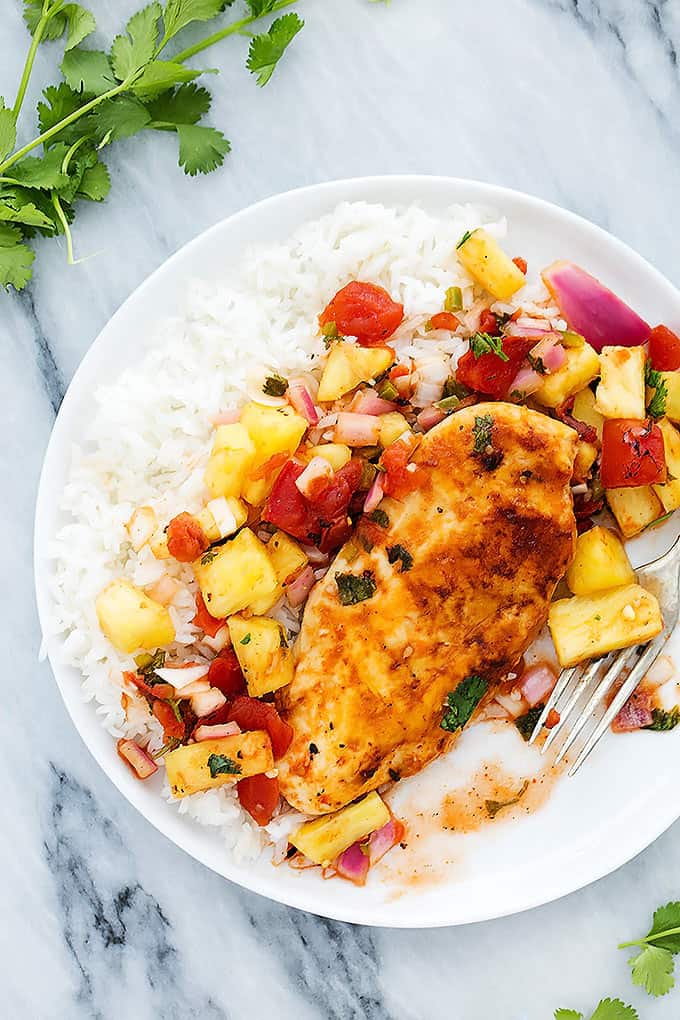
{"type": "Point", "coordinates": [208, 556]}
{"type": "Point", "coordinates": [380, 517]}
{"type": "Point", "coordinates": [537, 364]}
{"type": "Point", "coordinates": [150, 663]}
{"type": "Point", "coordinates": [397, 552]}
{"type": "Point", "coordinates": [481, 431]}
{"type": "Point", "coordinates": [494, 806]}
{"type": "Point", "coordinates": [353, 588]}
{"type": "Point", "coordinates": [461, 703]}
{"type": "Point", "coordinates": [656, 408]}
{"type": "Point", "coordinates": [219, 765]}
{"type": "Point", "coordinates": [275, 386]}
{"type": "Point", "coordinates": [452, 388]}
{"type": "Point", "coordinates": [526, 724]}
{"type": "Point", "coordinates": [245, 640]}
{"type": "Point", "coordinates": [663, 720]}
{"type": "Point", "coordinates": [466, 237]}
{"type": "Point", "coordinates": [484, 343]}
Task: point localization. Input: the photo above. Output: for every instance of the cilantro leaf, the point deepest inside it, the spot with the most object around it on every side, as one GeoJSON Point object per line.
{"type": "Point", "coordinates": [221, 765]}
{"type": "Point", "coordinates": [258, 8]}
{"type": "Point", "coordinates": [180, 13]}
{"type": "Point", "coordinates": [527, 723]}
{"type": "Point", "coordinates": [78, 20]}
{"type": "Point", "coordinates": [483, 343]}
{"type": "Point", "coordinates": [16, 258]}
{"type": "Point", "coordinates": [27, 212]}
{"type": "Point", "coordinates": [61, 101]}
{"type": "Point", "coordinates": [466, 237]}
{"type": "Point", "coordinates": [461, 702]}
{"type": "Point", "coordinates": [663, 721]}
{"type": "Point", "coordinates": [567, 1014]}
{"type": "Point", "coordinates": [135, 49]}
{"type": "Point", "coordinates": [380, 518]}
{"type": "Point", "coordinates": [354, 588]}
{"type": "Point", "coordinates": [8, 130]}
{"type": "Point", "coordinates": [42, 172]}
{"type": "Point", "coordinates": [481, 432]}
{"type": "Point", "coordinates": [664, 919]}
{"type": "Point", "coordinates": [119, 117]}
{"type": "Point", "coordinates": [95, 183]}
{"type": "Point", "coordinates": [652, 968]}
{"type": "Point", "coordinates": [275, 385]}
{"type": "Point", "coordinates": [398, 552]}
{"type": "Point", "coordinates": [201, 149]}
{"type": "Point", "coordinates": [87, 71]}
{"type": "Point", "coordinates": [160, 75]}
{"type": "Point", "coordinates": [656, 408]}
{"type": "Point", "coordinates": [266, 49]}
{"type": "Point", "coordinates": [614, 1009]}
{"type": "Point", "coordinates": [183, 105]}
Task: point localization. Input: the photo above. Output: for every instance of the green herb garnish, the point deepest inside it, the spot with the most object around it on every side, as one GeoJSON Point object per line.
{"type": "Point", "coordinates": [466, 237]}
{"type": "Point", "coordinates": [481, 431]}
{"type": "Point", "coordinates": [484, 343]}
{"type": "Point", "coordinates": [208, 557]}
{"type": "Point", "coordinates": [147, 663]}
{"type": "Point", "coordinates": [275, 385]}
{"type": "Point", "coordinates": [607, 1009]}
{"type": "Point", "coordinates": [526, 724]}
{"type": "Point", "coordinates": [353, 588]}
{"type": "Point", "coordinates": [652, 967]}
{"type": "Point", "coordinates": [461, 702]}
{"type": "Point", "coordinates": [537, 364]}
{"type": "Point", "coordinates": [656, 408]}
{"type": "Point", "coordinates": [452, 388]}
{"type": "Point", "coordinates": [380, 517]}
{"type": "Point", "coordinates": [245, 640]}
{"type": "Point", "coordinates": [663, 720]}
{"type": "Point", "coordinates": [219, 765]}
{"type": "Point", "coordinates": [398, 552]}
{"type": "Point", "coordinates": [494, 806]}
{"type": "Point", "coordinates": [453, 302]}
{"type": "Point", "coordinates": [659, 520]}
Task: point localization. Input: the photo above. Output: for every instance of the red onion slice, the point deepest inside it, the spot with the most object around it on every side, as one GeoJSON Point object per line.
{"type": "Point", "coordinates": [353, 864]}
{"type": "Point", "coordinates": [301, 400]}
{"type": "Point", "coordinates": [298, 590]}
{"type": "Point", "coordinates": [374, 494]}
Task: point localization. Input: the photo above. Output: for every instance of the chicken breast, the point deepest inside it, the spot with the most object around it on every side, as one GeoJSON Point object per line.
{"type": "Point", "coordinates": [482, 541]}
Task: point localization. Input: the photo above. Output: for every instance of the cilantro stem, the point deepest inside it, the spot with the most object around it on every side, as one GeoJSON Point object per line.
{"type": "Point", "coordinates": [650, 938]}
{"type": "Point", "coordinates": [223, 33]}
{"type": "Point", "coordinates": [45, 18]}
{"type": "Point", "coordinates": [67, 229]}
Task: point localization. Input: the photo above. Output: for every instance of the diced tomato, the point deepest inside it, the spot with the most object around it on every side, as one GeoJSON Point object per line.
{"type": "Point", "coordinates": [225, 674]}
{"type": "Point", "coordinates": [398, 480]}
{"type": "Point", "coordinates": [251, 714]}
{"type": "Point", "coordinates": [335, 534]}
{"type": "Point", "coordinates": [186, 538]}
{"type": "Point", "coordinates": [488, 323]}
{"type": "Point", "coordinates": [488, 373]}
{"type": "Point", "coordinates": [552, 719]}
{"type": "Point", "coordinates": [336, 497]}
{"type": "Point", "coordinates": [364, 311]}
{"type": "Point", "coordinates": [521, 264]}
{"type": "Point", "coordinates": [216, 718]}
{"type": "Point", "coordinates": [149, 690]}
{"type": "Point", "coordinates": [445, 320]}
{"type": "Point", "coordinates": [318, 521]}
{"type": "Point", "coordinates": [210, 625]}
{"type": "Point", "coordinates": [287, 507]}
{"type": "Point", "coordinates": [259, 796]}
{"type": "Point", "coordinates": [588, 433]}
{"type": "Point", "coordinates": [173, 728]}
{"type": "Point", "coordinates": [664, 349]}
{"type": "Point", "coordinates": [398, 371]}
{"type": "Point", "coordinates": [632, 453]}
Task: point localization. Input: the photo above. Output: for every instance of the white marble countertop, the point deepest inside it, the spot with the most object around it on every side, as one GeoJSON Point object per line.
{"type": "Point", "coordinates": [572, 100]}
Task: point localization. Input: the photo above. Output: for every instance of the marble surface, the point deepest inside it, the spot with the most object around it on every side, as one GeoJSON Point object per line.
{"type": "Point", "coordinates": [573, 100]}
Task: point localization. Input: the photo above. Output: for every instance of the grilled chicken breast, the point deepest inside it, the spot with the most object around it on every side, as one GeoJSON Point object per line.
{"type": "Point", "coordinates": [490, 529]}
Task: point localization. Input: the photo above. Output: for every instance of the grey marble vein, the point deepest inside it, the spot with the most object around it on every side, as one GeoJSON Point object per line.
{"type": "Point", "coordinates": [573, 100]}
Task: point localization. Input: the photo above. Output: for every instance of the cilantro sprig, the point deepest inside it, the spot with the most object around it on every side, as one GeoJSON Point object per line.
{"type": "Point", "coordinates": [107, 95]}
{"type": "Point", "coordinates": [652, 966]}
{"type": "Point", "coordinates": [607, 1009]}
{"type": "Point", "coordinates": [461, 702]}
{"type": "Point", "coordinates": [656, 408]}
{"type": "Point", "coordinates": [484, 343]}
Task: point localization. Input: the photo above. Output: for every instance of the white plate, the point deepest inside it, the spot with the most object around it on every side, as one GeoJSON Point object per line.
{"type": "Point", "coordinates": [616, 806]}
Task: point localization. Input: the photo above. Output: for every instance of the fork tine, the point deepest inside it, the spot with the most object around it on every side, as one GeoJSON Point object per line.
{"type": "Point", "coordinates": [619, 700]}
{"type": "Point", "coordinates": [574, 696]}
{"type": "Point", "coordinates": [562, 681]}
{"type": "Point", "coordinates": [620, 661]}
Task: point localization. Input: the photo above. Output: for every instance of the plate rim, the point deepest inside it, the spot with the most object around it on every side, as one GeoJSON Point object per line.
{"type": "Point", "coordinates": [480, 191]}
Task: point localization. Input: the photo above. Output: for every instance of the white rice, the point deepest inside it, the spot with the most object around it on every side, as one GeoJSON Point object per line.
{"type": "Point", "coordinates": [149, 439]}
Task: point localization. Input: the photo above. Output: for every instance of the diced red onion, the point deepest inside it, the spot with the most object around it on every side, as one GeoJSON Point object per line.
{"type": "Point", "coordinates": [313, 554]}
{"type": "Point", "coordinates": [320, 572]}
{"type": "Point", "coordinates": [403, 384]}
{"type": "Point", "coordinates": [368, 402]}
{"type": "Point", "coordinates": [537, 683]}
{"type": "Point", "coordinates": [298, 590]}
{"type": "Point", "coordinates": [225, 417]}
{"type": "Point", "coordinates": [526, 381]}
{"type": "Point", "coordinates": [353, 864]}
{"type": "Point", "coordinates": [550, 351]}
{"type": "Point", "coordinates": [494, 711]}
{"type": "Point", "coordinates": [207, 702]}
{"type": "Point", "coordinates": [430, 416]}
{"type": "Point", "coordinates": [229, 729]}
{"type": "Point", "coordinates": [515, 707]}
{"type": "Point", "coordinates": [317, 469]}
{"type": "Point", "coordinates": [164, 589]}
{"type": "Point", "coordinates": [374, 494]}
{"type": "Point", "coordinates": [357, 429]}
{"type": "Point", "coordinates": [301, 400]}
{"type": "Point", "coordinates": [328, 420]}
{"type": "Point", "coordinates": [136, 757]}
{"type": "Point", "coordinates": [382, 840]}
{"type": "Point", "coordinates": [635, 714]}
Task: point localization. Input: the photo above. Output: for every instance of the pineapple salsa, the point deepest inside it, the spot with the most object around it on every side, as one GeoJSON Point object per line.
{"type": "Point", "coordinates": [289, 476]}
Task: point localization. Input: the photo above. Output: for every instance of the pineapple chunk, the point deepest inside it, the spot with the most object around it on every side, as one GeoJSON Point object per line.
{"type": "Point", "coordinates": [586, 455]}
{"type": "Point", "coordinates": [634, 508]}
{"type": "Point", "coordinates": [273, 430]}
{"type": "Point", "coordinates": [232, 455]}
{"type": "Point", "coordinates": [141, 527]}
{"type": "Point", "coordinates": [621, 390]}
{"type": "Point", "coordinates": [212, 763]}
{"type": "Point", "coordinates": [263, 653]}
{"type": "Point", "coordinates": [392, 425]}
{"type": "Point", "coordinates": [159, 546]}
{"type": "Point", "coordinates": [489, 265]}
{"type": "Point", "coordinates": [672, 380]}
{"type": "Point", "coordinates": [337, 454]}
{"type": "Point", "coordinates": [234, 575]}
{"type": "Point", "coordinates": [287, 559]}
{"type": "Point", "coordinates": [348, 365]}
{"type": "Point", "coordinates": [585, 410]}
{"type": "Point", "coordinates": [222, 517]}
{"type": "Point", "coordinates": [669, 494]}
{"type": "Point", "coordinates": [587, 626]}
{"type": "Point", "coordinates": [131, 620]}
{"type": "Point", "coordinates": [580, 368]}
{"type": "Point", "coordinates": [600, 562]}
{"type": "Point", "coordinates": [325, 838]}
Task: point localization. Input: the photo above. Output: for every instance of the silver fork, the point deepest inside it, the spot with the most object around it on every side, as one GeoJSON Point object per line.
{"type": "Point", "coordinates": [595, 679]}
